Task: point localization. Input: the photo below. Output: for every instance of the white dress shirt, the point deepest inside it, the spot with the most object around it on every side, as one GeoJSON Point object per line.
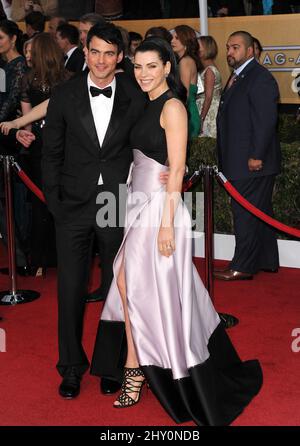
{"type": "Point", "coordinates": [101, 108]}
{"type": "Point", "coordinates": [240, 69]}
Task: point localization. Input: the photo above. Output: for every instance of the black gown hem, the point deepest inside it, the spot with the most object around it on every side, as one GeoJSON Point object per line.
{"type": "Point", "coordinates": [213, 394]}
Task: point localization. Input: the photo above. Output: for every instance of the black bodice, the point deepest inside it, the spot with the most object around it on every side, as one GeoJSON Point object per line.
{"type": "Point", "coordinates": [147, 134]}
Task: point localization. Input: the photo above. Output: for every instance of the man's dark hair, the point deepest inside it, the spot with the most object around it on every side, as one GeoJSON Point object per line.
{"type": "Point", "coordinates": [61, 20]}
{"type": "Point", "coordinates": [159, 31]}
{"type": "Point", "coordinates": [70, 32]}
{"type": "Point", "coordinates": [92, 18]}
{"type": "Point", "coordinates": [133, 36]}
{"type": "Point", "coordinates": [36, 20]}
{"type": "Point", "coordinates": [247, 37]}
{"type": "Point", "coordinates": [107, 32]}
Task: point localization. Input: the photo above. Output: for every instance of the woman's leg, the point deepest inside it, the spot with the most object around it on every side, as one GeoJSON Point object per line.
{"type": "Point", "coordinates": [131, 360]}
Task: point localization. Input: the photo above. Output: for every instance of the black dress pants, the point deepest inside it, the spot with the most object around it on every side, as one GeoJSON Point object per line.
{"type": "Point", "coordinates": [256, 243]}
{"type": "Point", "coordinates": [73, 239]}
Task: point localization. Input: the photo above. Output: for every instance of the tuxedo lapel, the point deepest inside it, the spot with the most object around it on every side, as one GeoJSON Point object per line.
{"type": "Point", "coordinates": [120, 107]}
{"type": "Point", "coordinates": [85, 114]}
{"type": "Point", "coordinates": [119, 111]}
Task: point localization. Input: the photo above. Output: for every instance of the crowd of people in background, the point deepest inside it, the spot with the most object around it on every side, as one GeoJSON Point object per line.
{"type": "Point", "coordinates": [30, 79]}
{"type": "Point", "coordinates": [138, 9]}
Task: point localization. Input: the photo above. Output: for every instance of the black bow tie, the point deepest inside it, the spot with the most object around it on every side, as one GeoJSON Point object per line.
{"type": "Point", "coordinates": [97, 91]}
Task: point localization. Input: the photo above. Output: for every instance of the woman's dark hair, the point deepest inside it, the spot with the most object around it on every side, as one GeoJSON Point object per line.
{"type": "Point", "coordinates": [258, 44]}
{"type": "Point", "coordinates": [36, 20]}
{"type": "Point", "coordinates": [47, 61]}
{"type": "Point", "coordinates": [11, 29]}
{"type": "Point", "coordinates": [188, 38]}
{"type": "Point", "coordinates": [159, 31]}
{"type": "Point", "coordinates": [166, 54]}
{"type": "Point", "coordinates": [107, 32]}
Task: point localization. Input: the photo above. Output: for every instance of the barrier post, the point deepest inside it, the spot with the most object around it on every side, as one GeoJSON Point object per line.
{"type": "Point", "coordinates": [13, 296]}
{"type": "Point", "coordinates": [9, 224]}
{"type": "Point", "coordinates": [228, 320]}
{"type": "Point", "coordinates": [208, 229]}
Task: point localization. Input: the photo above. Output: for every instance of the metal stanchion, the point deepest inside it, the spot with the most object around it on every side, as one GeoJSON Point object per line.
{"type": "Point", "coordinates": [227, 319]}
{"type": "Point", "coordinates": [208, 229]}
{"type": "Point", "coordinates": [13, 296]}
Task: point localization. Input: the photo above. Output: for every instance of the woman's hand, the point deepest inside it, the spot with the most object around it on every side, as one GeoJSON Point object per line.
{"type": "Point", "coordinates": [25, 137]}
{"type": "Point", "coordinates": [7, 126]}
{"type": "Point", "coordinates": [166, 241]}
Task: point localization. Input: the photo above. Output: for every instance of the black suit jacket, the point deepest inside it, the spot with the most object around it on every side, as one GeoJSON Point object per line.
{"type": "Point", "coordinates": [75, 62]}
{"type": "Point", "coordinates": [246, 124]}
{"type": "Point", "coordinates": [72, 158]}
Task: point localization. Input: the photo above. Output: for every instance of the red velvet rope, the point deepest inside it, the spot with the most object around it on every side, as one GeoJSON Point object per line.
{"type": "Point", "coordinates": [31, 185]}
{"type": "Point", "coordinates": [186, 186]}
{"type": "Point", "coordinates": [245, 203]}
{"type": "Point", "coordinates": [191, 181]}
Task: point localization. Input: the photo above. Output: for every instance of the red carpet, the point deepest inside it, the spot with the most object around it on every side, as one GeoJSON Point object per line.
{"type": "Point", "coordinates": [268, 309]}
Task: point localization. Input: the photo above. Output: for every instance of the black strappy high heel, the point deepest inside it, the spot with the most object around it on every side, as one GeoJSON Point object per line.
{"type": "Point", "coordinates": [130, 385]}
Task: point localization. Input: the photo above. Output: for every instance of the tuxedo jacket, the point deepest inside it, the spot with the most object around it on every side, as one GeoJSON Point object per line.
{"type": "Point", "coordinates": [75, 62]}
{"type": "Point", "coordinates": [72, 158]}
{"type": "Point", "coordinates": [246, 124]}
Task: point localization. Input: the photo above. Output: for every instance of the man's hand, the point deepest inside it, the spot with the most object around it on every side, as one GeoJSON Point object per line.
{"type": "Point", "coordinates": [254, 165]}
{"type": "Point", "coordinates": [163, 177]}
{"type": "Point", "coordinates": [25, 137]}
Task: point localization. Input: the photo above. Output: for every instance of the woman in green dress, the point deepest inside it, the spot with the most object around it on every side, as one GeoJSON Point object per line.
{"type": "Point", "coordinates": [186, 47]}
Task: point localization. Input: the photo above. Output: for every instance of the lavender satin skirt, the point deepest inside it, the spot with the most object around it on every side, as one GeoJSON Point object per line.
{"type": "Point", "coordinates": [182, 347]}
{"type": "Point", "coordinates": [171, 314]}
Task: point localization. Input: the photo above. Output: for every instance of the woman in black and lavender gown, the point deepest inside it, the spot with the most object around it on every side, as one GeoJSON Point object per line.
{"type": "Point", "coordinates": [175, 340]}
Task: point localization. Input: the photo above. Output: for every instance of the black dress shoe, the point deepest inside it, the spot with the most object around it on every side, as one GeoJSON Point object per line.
{"type": "Point", "coordinates": [230, 274]}
{"type": "Point", "coordinates": [108, 386]}
{"type": "Point", "coordinates": [95, 296]}
{"type": "Point", "coordinates": [70, 385]}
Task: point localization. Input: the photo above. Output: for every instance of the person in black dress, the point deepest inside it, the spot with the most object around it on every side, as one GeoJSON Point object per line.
{"type": "Point", "coordinates": [13, 69]}
{"type": "Point", "coordinates": [46, 73]}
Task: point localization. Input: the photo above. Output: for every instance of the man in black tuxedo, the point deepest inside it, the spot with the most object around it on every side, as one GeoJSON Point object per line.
{"type": "Point", "coordinates": [249, 155]}
{"type": "Point", "coordinates": [86, 152]}
{"type": "Point", "coordinates": [67, 37]}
